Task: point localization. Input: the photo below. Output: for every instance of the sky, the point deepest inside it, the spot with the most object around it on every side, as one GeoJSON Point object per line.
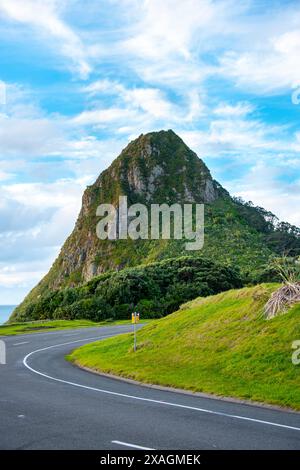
{"type": "Point", "coordinates": [80, 78]}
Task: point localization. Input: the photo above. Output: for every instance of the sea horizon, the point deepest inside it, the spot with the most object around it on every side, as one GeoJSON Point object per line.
{"type": "Point", "coordinates": [5, 312]}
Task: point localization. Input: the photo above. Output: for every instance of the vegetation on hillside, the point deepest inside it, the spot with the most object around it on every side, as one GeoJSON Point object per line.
{"type": "Point", "coordinates": [287, 295]}
{"type": "Point", "coordinates": [156, 289]}
{"type": "Point", "coordinates": [220, 344]}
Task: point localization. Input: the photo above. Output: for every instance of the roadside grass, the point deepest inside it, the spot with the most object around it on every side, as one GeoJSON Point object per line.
{"type": "Point", "coordinates": [52, 325]}
{"type": "Point", "coordinates": [221, 345]}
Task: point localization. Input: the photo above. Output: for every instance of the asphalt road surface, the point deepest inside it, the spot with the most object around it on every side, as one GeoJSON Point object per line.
{"type": "Point", "coordinates": [48, 403]}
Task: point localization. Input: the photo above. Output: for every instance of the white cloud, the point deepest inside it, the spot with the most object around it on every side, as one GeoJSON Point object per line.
{"type": "Point", "coordinates": [237, 134]}
{"type": "Point", "coordinates": [25, 129]}
{"type": "Point", "coordinates": [58, 194]}
{"type": "Point", "coordinates": [271, 66]}
{"type": "Point", "coordinates": [5, 176]}
{"type": "Point", "coordinates": [262, 185]}
{"type": "Point", "coordinates": [104, 86]}
{"type": "Point", "coordinates": [139, 105]}
{"type": "Point", "coordinates": [166, 42]}
{"type": "Point", "coordinates": [240, 133]}
{"type": "Point", "coordinates": [169, 27]}
{"type": "Point", "coordinates": [174, 72]}
{"type": "Point", "coordinates": [12, 277]}
{"type": "Point", "coordinates": [28, 137]}
{"type": "Point", "coordinates": [2, 93]}
{"type": "Point", "coordinates": [27, 132]}
{"type": "Point", "coordinates": [41, 216]}
{"type": "Point", "coordinates": [236, 110]}
{"type": "Point", "coordinates": [100, 117]}
{"type": "Point", "coordinates": [89, 147]}
{"type": "Point", "coordinates": [44, 17]}
{"type": "Point", "coordinates": [151, 101]}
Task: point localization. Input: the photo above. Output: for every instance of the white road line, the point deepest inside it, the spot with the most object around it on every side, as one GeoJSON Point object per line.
{"type": "Point", "coordinates": [134, 446]}
{"type": "Point", "coordinates": [23, 342]}
{"type": "Point", "coordinates": [37, 334]}
{"type": "Point", "coordinates": [142, 399]}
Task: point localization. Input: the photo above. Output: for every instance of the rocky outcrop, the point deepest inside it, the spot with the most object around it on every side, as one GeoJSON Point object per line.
{"type": "Point", "coordinates": [155, 168]}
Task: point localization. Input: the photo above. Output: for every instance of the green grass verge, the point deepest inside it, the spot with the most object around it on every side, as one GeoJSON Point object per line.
{"type": "Point", "coordinates": [220, 344]}
{"type": "Point", "coordinates": [50, 325]}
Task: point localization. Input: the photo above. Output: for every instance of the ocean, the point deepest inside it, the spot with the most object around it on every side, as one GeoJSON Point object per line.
{"type": "Point", "coordinates": [5, 311]}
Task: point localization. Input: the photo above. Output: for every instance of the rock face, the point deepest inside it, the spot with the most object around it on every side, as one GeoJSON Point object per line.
{"type": "Point", "coordinates": [155, 168]}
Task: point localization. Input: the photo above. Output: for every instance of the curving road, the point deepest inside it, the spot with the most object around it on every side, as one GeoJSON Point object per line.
{"type": "Point", "coordinates": [47, 403]}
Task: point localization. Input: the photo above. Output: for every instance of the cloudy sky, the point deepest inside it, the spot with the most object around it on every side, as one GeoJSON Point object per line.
{"type": "Point", "coordinates": [79, 78]}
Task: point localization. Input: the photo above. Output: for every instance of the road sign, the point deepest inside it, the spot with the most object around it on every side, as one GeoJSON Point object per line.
{"type": "Point", "coordinates": [135, 318]}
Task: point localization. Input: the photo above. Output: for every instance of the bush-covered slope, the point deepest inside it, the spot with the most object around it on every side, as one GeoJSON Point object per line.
{"type": "Point", "coordinates": [159, 168]}
{"type": "Point", "coordinates": [156, 290]}
{"type": "Point", "coordinates": [221, 345]}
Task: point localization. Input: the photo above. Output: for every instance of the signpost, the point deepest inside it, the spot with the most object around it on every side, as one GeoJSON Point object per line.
{"type": "Point", "coordinates": [135, 318]}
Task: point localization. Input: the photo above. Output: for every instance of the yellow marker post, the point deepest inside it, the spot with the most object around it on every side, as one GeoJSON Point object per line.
{"type": "Point", "coordinates": [135, 318]}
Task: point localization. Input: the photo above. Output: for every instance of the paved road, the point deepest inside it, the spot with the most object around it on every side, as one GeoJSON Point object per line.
{"type": "Point", "coordinates": [47, 403]}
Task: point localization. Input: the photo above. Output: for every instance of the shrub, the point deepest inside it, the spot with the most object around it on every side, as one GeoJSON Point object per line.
{"type": "Point", "coordinates": [150, 308]}
{"type": "Point", "coordinates": [156, 290]}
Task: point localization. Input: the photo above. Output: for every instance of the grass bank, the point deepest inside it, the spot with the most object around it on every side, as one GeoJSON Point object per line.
{"type": "Point", "coordinates": [220, 344]}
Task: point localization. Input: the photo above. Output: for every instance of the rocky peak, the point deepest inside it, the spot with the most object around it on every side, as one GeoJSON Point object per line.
{"type": "Point", "coordinates": [158, 167]}
{"type": "Point", "coordinates": [154, 168]}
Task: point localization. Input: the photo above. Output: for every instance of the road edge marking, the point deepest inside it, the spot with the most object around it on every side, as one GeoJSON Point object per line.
{"type": "Point", "coordinates": [133, 397]}
{"type": "Point", "coordinates": [134, 446]}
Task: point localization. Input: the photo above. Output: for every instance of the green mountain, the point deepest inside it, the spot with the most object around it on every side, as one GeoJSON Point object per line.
{"type": "Point", "coordinates": [159, 168]}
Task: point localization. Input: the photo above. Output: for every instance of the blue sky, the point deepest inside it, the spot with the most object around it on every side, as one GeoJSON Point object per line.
{"type": "Point", "coordinates": [78, 79]}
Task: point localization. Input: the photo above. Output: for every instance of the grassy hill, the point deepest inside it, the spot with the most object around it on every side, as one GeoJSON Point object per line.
{"type": "Point", "coordinates": [220, 344]}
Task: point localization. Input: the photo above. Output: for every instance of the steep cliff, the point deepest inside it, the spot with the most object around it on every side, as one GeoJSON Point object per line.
{"type": "Point", "coordinates": [155, 168]}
